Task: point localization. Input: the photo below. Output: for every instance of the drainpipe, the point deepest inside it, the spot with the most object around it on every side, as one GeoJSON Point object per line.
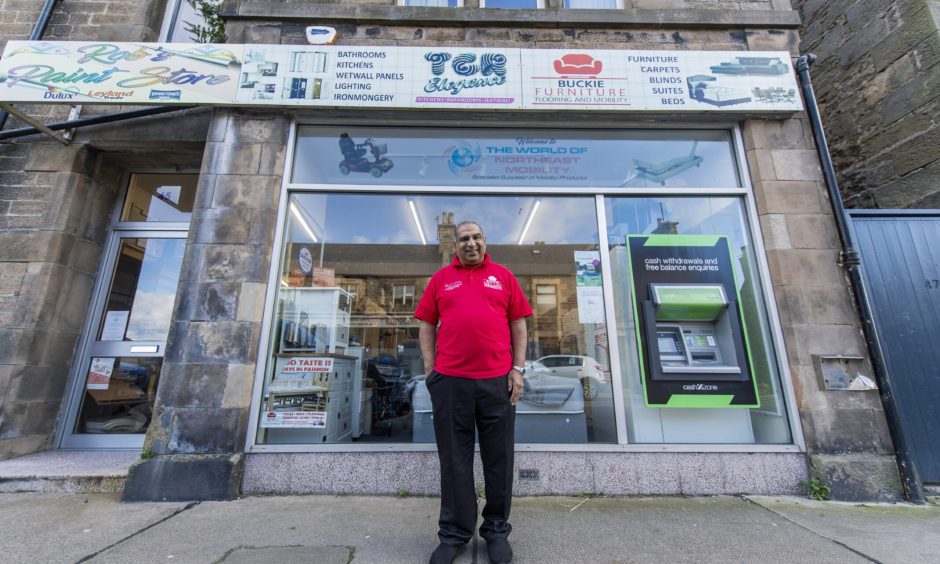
{"type": "Point", "coordinates": [36, 35]}
{"type": "Point", "coordinates": [910, 480]}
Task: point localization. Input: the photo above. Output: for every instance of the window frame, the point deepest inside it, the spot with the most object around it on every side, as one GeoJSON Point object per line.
{"type": "Point", "coordinates": [744, 191]}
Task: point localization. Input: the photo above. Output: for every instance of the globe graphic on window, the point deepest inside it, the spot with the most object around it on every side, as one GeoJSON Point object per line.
{"type": "Point", "coordinates": [463, 156]}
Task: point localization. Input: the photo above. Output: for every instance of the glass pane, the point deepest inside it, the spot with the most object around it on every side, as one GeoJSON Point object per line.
{"type": "Point", "coordinates": [591, 4]}
{"type": "Point", "coordinates": [160, 197]}
{"type": "Point", "coordinates": [143, 289]}
{"type": "Point", "coordinates": [119, 394]}
{"type": "Point", "coordinates": [438, 3]}
{"type": "Point", "coordinates": [538, 158]}
{"type": "Point", "coordinates": [187, 16]}
{"type": "Point", "coordinates": [515, 4]}
{"type": "Point", "coordinates": [685, 337]}
{"type": "Point", "coordinates": [345, 362]}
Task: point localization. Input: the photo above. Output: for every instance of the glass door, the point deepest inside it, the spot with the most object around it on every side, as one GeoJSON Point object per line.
{"type": "Point", "coordinates": [117, 374]}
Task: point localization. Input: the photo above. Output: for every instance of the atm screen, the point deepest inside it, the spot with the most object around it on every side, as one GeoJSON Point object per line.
{"type": "Point", "coordinates": [667, 345]}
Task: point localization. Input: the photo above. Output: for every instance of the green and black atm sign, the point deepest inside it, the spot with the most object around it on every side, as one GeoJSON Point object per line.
{"type": "Point", "coordinates": [690, 329]}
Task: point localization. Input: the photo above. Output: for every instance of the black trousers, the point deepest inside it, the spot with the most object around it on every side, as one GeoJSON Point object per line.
{"type": "Point", "coordinates": [461, 405]}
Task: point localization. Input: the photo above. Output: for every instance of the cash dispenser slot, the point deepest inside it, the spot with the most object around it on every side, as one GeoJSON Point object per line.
{"type": "Point", "coordinates": [693, 333]}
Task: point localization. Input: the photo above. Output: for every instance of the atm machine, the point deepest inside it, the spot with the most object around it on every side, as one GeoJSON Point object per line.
{"type": "Point", "coordinates": [693, 332]}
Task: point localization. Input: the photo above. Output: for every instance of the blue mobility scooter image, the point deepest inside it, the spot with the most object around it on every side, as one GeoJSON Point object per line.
{"type": "Point", "coordinates": [355, 159]}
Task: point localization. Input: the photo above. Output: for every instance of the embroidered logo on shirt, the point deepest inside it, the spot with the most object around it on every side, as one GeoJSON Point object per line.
{"type": "Point", "coordinates": [493, 283]}
{"type": "Point", "coordinates": [453, 285]}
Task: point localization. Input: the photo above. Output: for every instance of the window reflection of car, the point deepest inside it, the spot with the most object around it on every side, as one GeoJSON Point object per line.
{"type": "Point", "coordinates": [585, 369]}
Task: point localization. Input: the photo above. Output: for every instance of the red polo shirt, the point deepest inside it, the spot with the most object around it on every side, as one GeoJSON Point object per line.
{"type": "Point", "coordinates": [475, 306]}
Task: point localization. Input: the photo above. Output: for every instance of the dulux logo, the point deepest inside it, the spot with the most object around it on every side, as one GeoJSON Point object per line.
{"type": "Point", "coordinates": [491, 67]}
{"type": "Point", "coordinates": [58, 95]}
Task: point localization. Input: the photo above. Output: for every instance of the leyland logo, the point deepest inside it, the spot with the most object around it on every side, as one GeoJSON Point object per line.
{"type": "Point", "coordinates": [488, 69]}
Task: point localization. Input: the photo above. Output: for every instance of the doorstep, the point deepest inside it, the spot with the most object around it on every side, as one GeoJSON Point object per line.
{"type": "Point", "coordinates": [67, 471]}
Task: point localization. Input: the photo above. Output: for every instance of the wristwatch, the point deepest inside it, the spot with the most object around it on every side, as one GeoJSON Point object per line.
{"type": "Point", "coordinates": [519, 369]}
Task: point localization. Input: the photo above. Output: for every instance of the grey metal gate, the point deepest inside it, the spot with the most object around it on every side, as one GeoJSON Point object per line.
{"type": "Point", "coordinates": [901, 264]}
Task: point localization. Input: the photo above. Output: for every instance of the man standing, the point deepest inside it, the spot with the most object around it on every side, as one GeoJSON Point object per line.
{"type": "Point", "coordinates": [473, 340]}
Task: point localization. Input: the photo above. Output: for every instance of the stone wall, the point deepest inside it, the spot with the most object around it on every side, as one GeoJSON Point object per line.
{"type": "Point", "coordinates": [201, 413]}
{"type": "Point", "coordinates": [53, 214]}
{"type": "Point", "coordinates": [878, 84]}
{"type": "Point", "coordinates": [847, 438]}
{"type": "Point", "coordinates": [55, 206]}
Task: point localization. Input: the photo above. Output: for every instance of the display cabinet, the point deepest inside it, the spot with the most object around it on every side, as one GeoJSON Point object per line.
{"type": "Point", "coordinates": [314, 320]}
{"type": "Point", "coordinates": [310, 399]}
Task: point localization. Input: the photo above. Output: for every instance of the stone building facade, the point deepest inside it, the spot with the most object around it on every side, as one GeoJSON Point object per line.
{"type": "Point", "coordinates": [876, 80]}
{"type": "Point", "coordinates": [56, 201]}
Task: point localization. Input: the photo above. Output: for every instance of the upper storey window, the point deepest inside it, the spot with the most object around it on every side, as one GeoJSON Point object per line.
{"type": "Point", "coordinates": [435, 3]}
{"type": "Point", "coordinates": [180, 17]}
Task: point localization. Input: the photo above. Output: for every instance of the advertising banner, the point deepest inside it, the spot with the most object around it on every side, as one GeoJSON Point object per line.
{"type": "Point", "coordinates": [402, 77]}
{"type": "Point", "coordinates": [118, 73]}
{"type": "Point", "coordinates": [398, 77]}
{"type": "Point", "coordinates": [657, 80]}
{"type": "Point", "coordinates": [294, 419]}
{"type": "Point", "coordinates": [689, 328]}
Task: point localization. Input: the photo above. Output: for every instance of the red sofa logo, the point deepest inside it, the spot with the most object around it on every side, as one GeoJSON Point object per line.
{"type": "Point", "coordinates": [578, 65]}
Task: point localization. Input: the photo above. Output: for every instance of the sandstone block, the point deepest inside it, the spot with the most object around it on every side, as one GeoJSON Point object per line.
{"type": "Point", "coordinates": [192, 385]}
{"type": "Point", "coordinates": [189, 433]}
{"type": "Point", "coordinates": [813, 231]}
{"type": "Point", "coordinates": [221, 226]}
{"type": "Point", "coordinates": [232, 158]}
{"type": "Point", "coordinates": [238, 386]}
{"type": "Point", "coordinates": [234, 262]}
{"type": "Point", "coordinates": [222, 342]}
{"type": "Point", "coordinates": [775, 231]}
{"type": "Point", "coordinates": [790, 196]}
{"type": "Point", "coordinates": [796, 164]}
{"type": "Point", "coordinates": [805, 266]}
{"type": "Point", "coordinates": [774, 134]}
{"type": "Point", "coordinates": [858, 477]}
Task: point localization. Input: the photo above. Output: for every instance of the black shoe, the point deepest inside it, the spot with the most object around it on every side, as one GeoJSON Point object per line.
{"type": "Point", "coordinates": [445, 553]}
{"type": "Point", "coordinates": [499, 551]}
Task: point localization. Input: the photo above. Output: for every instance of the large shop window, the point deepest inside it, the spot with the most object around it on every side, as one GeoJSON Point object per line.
{"type": "Point", "coordinates": [370, 216]}
{"type": "Point", "coordinates": [345, 362]}
{"type": "Point", "coordinates": [702, 222]}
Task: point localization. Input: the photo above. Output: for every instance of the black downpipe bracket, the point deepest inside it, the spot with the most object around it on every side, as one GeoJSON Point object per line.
{"type": "Point", "coordinates": [910, 480]}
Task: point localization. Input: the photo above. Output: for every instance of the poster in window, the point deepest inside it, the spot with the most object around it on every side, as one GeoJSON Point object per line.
{"type": "Point", "coordinates": [99, 373]}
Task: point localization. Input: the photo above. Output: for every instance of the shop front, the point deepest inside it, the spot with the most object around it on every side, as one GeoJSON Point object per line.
{"type": "Point", "coordinates": [591, 221]}
{"type": "Point", "coordinates": [618, 186]}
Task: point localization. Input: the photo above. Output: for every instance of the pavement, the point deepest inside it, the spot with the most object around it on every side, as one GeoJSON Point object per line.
{"type": "Point", "coordinates": [98, 527]}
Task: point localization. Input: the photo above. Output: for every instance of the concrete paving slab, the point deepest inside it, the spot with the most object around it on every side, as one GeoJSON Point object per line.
{"type": "Point", "coordinates": [885, 532]}
{"type": "Point", "coordinates": [42, 527]}
{"type": "Point", "coordinates": [321, 555]}
{"type": "Point", "coordinates": [662, 529]}
{"type": "Point", "coordinates": [547, 529]}
{"type": "Point", "coordinates": [379, 529]}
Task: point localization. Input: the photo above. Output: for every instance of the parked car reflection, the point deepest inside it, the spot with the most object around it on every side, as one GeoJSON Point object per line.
{"type": "Point", "coordinates": [584, 369]}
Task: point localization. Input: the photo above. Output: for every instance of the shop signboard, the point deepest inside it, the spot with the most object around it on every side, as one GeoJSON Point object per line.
{"type": "Point", "coordinates": [293, 419]}
{"type": "Point", "coordinates": [77, 72]}
{"type": "Point", "coordinates": [690, 331]}
{"type": "Point", "coordinates": [672, 81]}
{"type": "Point", "coordinates": [376, 76]}
{"type": "Point", "coordinates": [492, 78]}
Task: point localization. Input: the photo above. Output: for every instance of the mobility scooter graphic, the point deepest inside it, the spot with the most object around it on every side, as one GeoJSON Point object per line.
{"type": "Point", "coordinates": [355, 159]}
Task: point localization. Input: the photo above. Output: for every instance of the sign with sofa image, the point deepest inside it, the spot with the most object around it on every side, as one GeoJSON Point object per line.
{"type": "Point", "coordinates": [658, 80]}
{"type": "Point", "coordinates": [690, 330]}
